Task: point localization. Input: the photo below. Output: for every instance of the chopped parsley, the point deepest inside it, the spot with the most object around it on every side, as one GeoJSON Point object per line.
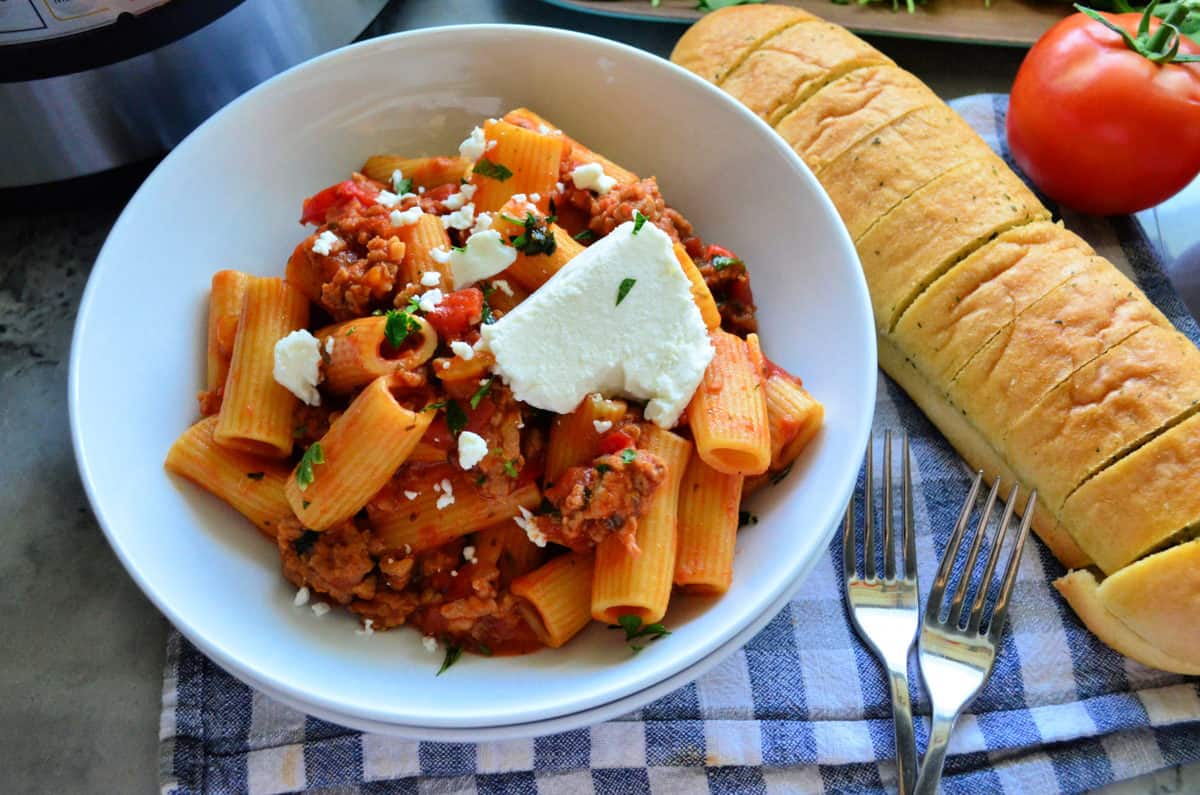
{"type": "Point", "coordinates": [350, 331]}
{"type": "Point", "coordinates": [456, 418]}
{"type": "Point", "coordinates": [481, 392]}
{"type": "Point", "coordinates": [486, 316]}
{"type": "Point", "coordinates": [452, 655]}
{"type": "Point", "coordinates": [402, 186]}
{"type": "Point", "coordinates": [746, 518]}
{"type": "Point", "coordinates": [639, 221]}
{"type": "Point", "coordinates": [304, 544]}
{"type": "Point", "coordinates": [484, 650]}
{"type": "Point", "coordinates": [486, 168]}
{"type": "Point", "coordinates": [441, 404]}
{"type": "Point", "coordinates": [635, 630]}
{"type": "Point", "coordinates": [304, 472]}
{"type": "Point", "coordinates": [628, 455]}
{"type": "Point", "coordinates": [602, 468]}
{"type": "Point", "coordinates": [586, 236]}
{"type": "Point", "coordinates": [400, 323]}
{"type": "Point", "coordinates": [781, 474]}
{"type": "Point", "coordinates": [721, 263]}
{"type": "Point", "coordinates": [510, 469]}
{"type": "Point", "coordinates": [536, 238]}
{"type": "Point", "coordinates": [255, 475]}
{"type": "Point", "coordinates": [623, 290]}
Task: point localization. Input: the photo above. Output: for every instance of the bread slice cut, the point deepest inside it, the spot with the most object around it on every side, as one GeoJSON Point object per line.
{"type": "Point", "coordinates": [1136, 389]}
{"type": "Point", "coordinates": [1147, 610]}
{"type": "Point", "coordinates": [875, 175]}
{"type": "Point", "coordinates": [720, 41]}
{"type": "Point", "coordinates": [1059, 333]}
{"type": "Point", "coordinates": [975, 449]}
{"type": "Point", "coordinates": [786, 69]}
{"type": "Point", "coordinates": [849, 109]}
{"type": "Point", "coordinates": [940, 224]}
{"type": "Point", "coordinates": [1142, 503]}
{"type": "Point", "coordinates": [951, 320]}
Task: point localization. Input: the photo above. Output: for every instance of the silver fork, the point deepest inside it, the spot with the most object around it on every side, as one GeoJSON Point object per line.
{"type": "Point", "coordinates": [884, 610]}
{"type": "Point", "coordinates": [956, 660]}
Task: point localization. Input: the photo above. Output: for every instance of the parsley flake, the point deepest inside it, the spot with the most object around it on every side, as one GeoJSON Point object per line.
{"type": "Point", "coordinates": [402, 186]}
{"type": "Point", "coordinates": [456, 418]}
{"type": "Point", "coordinates": [536, 238]}
{"type": "Point", "coordinates": [602, 468]}
{"type": "Point", "coordinates": [486, 168]}
{"type": "Point", "coordinates": [721, 263]}
{"type": "Point", "coordinates": [452, 655]}
{"type": "Point", "coordinates": [623, 290]}
{"type": "Point", "coordinates": [441, 404]}
{"type": "Point", "coordinates": [586, 236]}
{"type": "Point", "coordinates": [481, 392]}
{"type": "Point", "coordinates": [628, 455]}
{"type": "Point", "coordinates": [635, 630]}
{"type": "Point", "coordinates": [510, 469]}
{"type": "Point", "coordinates": [781, 474]}
{"type": "Point", "coordinates": [304, 472]}
{"type": "Point", "coordinates": [399, 324]}
{"type": "Point", "coordinates": [639, 221]}
{"type": "Point", "coordinates": [255, 475]}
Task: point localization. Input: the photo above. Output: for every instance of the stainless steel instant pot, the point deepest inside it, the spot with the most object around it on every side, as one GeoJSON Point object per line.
{"type": "Point", "coordinates": [89, 85]}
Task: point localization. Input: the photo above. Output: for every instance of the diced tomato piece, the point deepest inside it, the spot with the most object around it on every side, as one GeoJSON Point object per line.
{"type": "Point", "coordinates": [719, 251]}
{"type": "Point", "coordinates": [614, 441]}
{"type": "Point", "coordinates": [317, 206]}
{"type": "Point", "coordinates": [457, 312]}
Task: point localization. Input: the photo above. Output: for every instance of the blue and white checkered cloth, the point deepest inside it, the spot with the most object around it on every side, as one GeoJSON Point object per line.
{"type": "Point", "coordinates": [802, 708]}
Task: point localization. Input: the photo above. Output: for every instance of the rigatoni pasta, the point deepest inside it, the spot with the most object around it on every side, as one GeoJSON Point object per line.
{"type": "Point", "coordinates": [368, 422]}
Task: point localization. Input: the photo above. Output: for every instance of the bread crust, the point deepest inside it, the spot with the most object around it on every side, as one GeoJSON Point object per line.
{"type": "Point", "coordinates": [1147, 382]}
{"type": "Point", "coordinates": [984, 293]}
{"type": "Point", "coordinates": [1140, 503]}
{"type": "Point", "coordinates": [938, 225]}
{"type": "Point", "coordinates": [850, 108]}
{"type": "Point", "coordinates": [720, 41]}
{"type": "Point", "coordinates": [792, 65]}
{"type": "Point", "coordinates": [872, 177]}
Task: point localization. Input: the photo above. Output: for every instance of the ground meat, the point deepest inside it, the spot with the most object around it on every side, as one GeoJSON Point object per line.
{"type": "Point", "coordinates": [210, 400]}
{"type": "Point", "coordinates": [334, 562]}
{"type": "Point", "coordinates": [482, 625]}
{"type": "Point", "coordinates": [609, 211]}
{"type": "Point", "coordinates": [608, 497]}
{"type": "Point", "coordinates": [310, 423]}
{"type": "Point", "coordinates": [730, 288]}
{"type": "Point", "coordinates": [387, 609]}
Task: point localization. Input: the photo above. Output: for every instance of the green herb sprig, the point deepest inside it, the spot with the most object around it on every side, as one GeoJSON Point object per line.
{"type": "Point", "coordinates": [453, 653]}
{"type": "Point", "coordinates": [623, 290]}
{"type": "Point", "coordinates": [635, 631]}
{"type": "Point", "coordinates": [496, 171]}
{"type": "Point", "coordinates": [304, 472]}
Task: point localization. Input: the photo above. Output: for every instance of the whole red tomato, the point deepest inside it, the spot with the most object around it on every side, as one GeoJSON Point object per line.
{"type": "Point", "coordinates": [1098, 125]}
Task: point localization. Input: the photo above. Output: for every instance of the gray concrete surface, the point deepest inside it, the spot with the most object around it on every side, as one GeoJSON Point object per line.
{"type": "Point", "coordinates": [81, 668]}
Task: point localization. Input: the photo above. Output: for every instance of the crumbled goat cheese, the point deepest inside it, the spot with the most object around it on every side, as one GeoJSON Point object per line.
{"type": "Point", "coordinates": [397, 178]}
{"type": "Point", "coordinates": [526, 523]}
{"type": "Point", "coordinates": [421, 190]}
{"type": "Point", "coordinates": [429, 300]}
{"type": "Point", "coordinates": [602, 426]}
{"type": "Point", "coordinates": [430, 644]}
{"type": "Point", "coordinates": [406, 217]}
{"type": "Point", "coordinates": [411, 495]}
{"type": "Point", "coordinates": [535, 197]}
{"type": "Point", "coordinates": [558, 186]}
{"type": "Point", "coordinates": [320, 608]}
{"type": "Point", "coordinates": [492, 145]}
{"type": "Point", "coordinates": [503, 286]}
{"type": "Point", "coordinates": [329, 344]}
{"type": "Point", "coordinates": [301, 597]}
{"type": "Point", "coordinates": [407, 549]}
{"type": "Point", "coordinates": [469, 554]}
{"type": "Point", "coordinates": [324, 243]}
{"type": "Point", "coordinates": [471, 449]}
{"type": "Point", "coordinates": [455, 201]}
{"type": "Point", "coordinates": [387, 198]}
{"type": "Point", "coordinates": [447, 498]}
{"type": "Point", "coordinates": [475, 144]}
{"type": "Point", "coordinates": [368, 627]}
{"type": "Point", "coordinates": [298, 365]}
{"type": "Point", "coordinates": [462, 350]}
{"type": "Point", "coordinates": [484, 255]}
{"type": "Point", "coordinates": [460, 219]}
{"type": "Point", "coordinates": [592, 177]}
{"type": "Point", "coordinates": [441, 255]}
{"type": "Point", "coordinates": [431, 279]}
{"type": "Point", "coordinates": [483, 222]}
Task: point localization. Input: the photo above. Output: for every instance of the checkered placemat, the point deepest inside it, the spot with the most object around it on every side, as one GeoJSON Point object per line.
{"type": "Point", "coordinates": [803, 707]}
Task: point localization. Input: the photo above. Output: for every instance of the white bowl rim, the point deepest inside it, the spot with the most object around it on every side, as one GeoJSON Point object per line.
{"type": "Point", "coordinates": [633, 695]}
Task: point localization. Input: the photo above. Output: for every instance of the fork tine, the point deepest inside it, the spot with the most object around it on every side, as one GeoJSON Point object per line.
{"type": "Point", "coordinates": [910, 533]}
{"type": "Point", "coordinates": [848, 564]}
{"type": "Point", "coordinates": [996, 624]}
{"type": "Point", "coordinates": [933, 607]}
{"type": "Point", "coordinates": [889, 550]}
{"type": "Point", "coordinates": [965, 580]}
{"type": "Point", "coordinates": [985, 583]}
{"type": "Point", "coordinates": [869, 514]}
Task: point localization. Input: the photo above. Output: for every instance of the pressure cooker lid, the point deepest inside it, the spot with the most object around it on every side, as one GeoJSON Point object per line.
{"type": "Point", "coordinates": [48, 38]}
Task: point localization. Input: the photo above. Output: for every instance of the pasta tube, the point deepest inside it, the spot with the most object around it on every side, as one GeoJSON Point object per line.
{"type": "Point", "coordinates": [700, 292]}
{"type": "Point", "coordinates": [532, 271]}
{"type": "Point", "coordinates": [420, 240]}
{"type": "Point", "coordinates": [224, 309]}
{"type": "Point", "coordinates": [574, 437]}
{"type": "Point", "coordinates": [728, 413]}
{"type": "Point", "coordinates": [252, 486]}
{"type": "Point", "coordinates": [793, 416]}
{"type": "Point", "coordinates": [420, 524]}
{"type": "Point", "coordinates": [256, 412]}
{"type": "Point", "coordinates": [640, 585]}
{"type": "Point", "coordinates": [516, 160]}
{"type": "Point", "coordinates": [708, 524]}
{"type": "Point", "coordinates": [425, 172]}
{"type": "Point", "coordinates": [579, 154]}
{"type": "Point", "coordinates": [355, 458]}
{"type": "Point", "coordinates": [558, 597]}
{"type": "Point", "coordinates": [360, 351]}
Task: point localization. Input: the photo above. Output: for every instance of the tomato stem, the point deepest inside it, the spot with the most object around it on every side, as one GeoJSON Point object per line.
{"type": "Point", "coordinates": [1161, 47]}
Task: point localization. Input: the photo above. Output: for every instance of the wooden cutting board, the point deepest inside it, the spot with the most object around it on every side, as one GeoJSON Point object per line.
{"type": "Point", "coordinates": [1016, 23]}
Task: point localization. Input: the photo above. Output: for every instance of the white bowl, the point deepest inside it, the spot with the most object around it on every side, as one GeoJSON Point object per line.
{"type": "Point", "coordinates": [229, 197]}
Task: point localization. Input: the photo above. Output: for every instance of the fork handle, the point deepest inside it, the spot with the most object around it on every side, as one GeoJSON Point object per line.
{"type": "Point", "coordinates": [935, 754]}
{"type": "Point", "coordinates": [906, 745]}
